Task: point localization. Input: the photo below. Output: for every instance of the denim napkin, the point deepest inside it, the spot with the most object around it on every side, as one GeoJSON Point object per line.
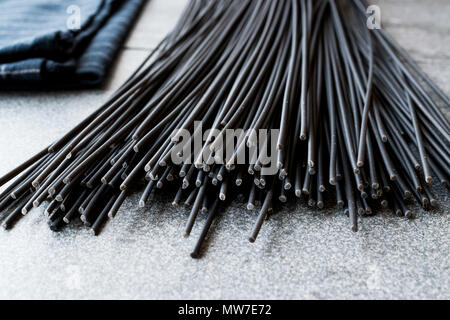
{"type": "Point", "coordinates": [61, 43]}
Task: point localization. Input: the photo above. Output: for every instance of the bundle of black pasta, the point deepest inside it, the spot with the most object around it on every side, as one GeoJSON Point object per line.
{"type": "Point", "coordinates": [358, 121]}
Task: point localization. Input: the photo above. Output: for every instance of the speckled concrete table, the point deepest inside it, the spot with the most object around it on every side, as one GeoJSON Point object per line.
{"type": "Point", "coordinates": [299, 254]}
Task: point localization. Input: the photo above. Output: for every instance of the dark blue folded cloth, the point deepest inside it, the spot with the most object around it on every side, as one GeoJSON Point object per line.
{"type": "Point", "coordinates": [61, 42]}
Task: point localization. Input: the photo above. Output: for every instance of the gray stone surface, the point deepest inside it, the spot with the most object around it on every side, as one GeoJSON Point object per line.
{"type": "Point", "coordinates": [299, 254]}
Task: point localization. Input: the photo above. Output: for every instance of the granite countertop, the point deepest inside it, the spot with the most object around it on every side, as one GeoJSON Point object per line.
{"type": "Point", "coordinates": [300, 254]}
